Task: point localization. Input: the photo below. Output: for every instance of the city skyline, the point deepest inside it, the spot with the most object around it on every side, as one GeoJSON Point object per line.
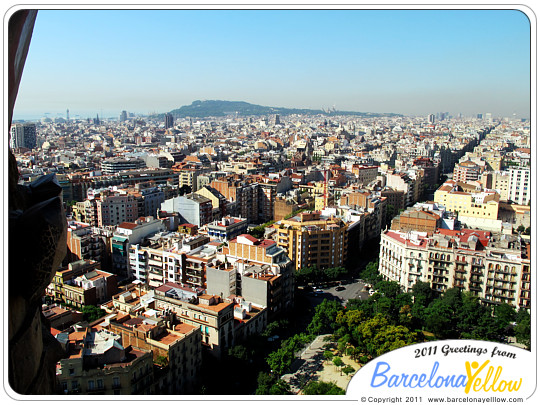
{"type": "Point", "coordinates": [411, 62]}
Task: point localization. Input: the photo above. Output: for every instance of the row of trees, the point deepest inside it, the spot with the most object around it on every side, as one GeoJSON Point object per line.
{"type": "Point", "coordinates": [313, 274]}
{"type": "Point", "coordinates": [452, 315]}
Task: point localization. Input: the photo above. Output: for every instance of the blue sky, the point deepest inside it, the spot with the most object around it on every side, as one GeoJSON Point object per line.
{"type": "Point", "coordinates": [404, 61]}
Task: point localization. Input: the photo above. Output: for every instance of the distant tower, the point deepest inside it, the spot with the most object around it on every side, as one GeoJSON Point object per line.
{"type": "Point", "coordinates": [123, 116]}
{"type": "Point", "coordinates": [67, 114]}
{"type": "Point", "coordinates": [431, 118]}
{"type": "Point", "coordinates": [169, 120]}
{"type": "Point", "coordinates": [276, 120]}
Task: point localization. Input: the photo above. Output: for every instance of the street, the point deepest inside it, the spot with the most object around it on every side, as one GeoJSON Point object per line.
{"type": "Point", "coordinates": [352, 289]}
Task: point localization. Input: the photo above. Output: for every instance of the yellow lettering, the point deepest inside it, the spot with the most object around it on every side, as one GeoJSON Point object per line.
{"type": "Point", "coordinates": [471, 376]}
{"type": "Point", "coordinates": [477, 383]}
{"type": "Point", "coordinates": [516, 386]}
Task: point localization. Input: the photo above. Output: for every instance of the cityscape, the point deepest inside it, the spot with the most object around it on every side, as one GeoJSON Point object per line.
{"type": "Point", "coordinates": [227, 247]}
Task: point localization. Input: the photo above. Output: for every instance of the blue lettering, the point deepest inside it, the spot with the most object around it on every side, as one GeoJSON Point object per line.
{"type": "Point", "coordinates": [413, 377]}
{"type": "Point", "coordinates": [462, 383]}
{"type": "Point", "coordinates": [377, 374]}
{"type": "Point", "coordinates": [433, 372]}
{"type": "Point", "coordinates": [422, 379]}
{"type": "Point", "coordinates": [393, 381]}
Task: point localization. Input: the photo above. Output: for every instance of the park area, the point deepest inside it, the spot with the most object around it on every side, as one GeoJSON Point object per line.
{"type": "Point", "coordinates": [320, 367]}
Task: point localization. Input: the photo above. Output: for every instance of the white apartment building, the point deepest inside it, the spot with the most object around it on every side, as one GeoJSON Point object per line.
{"type": "Point", "coordinates": [519, 188]}
{"type": "Point", "coordinates": [492, 267]}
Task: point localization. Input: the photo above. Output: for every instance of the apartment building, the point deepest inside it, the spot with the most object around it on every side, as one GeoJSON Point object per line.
{"type": "Point", "coordinates": [116, 165]}
{"type": "Point", "coordinates": [244, 192]}
{"type": "Point", "coordinates": [172, 258]}
{"type": "Point", "coordinates": [365, 174]}
{"type": "Point", "coordinates": [62, 275]}
{"type": "Point", "coordinates": [312, 240]}
{"type": "Point", "coordinates": [494, 267]}
{"type": "Point", "coordinates": [498, 181]}
{"type": "Point", "coordinates": [227, 228]}
{"type": "Point", "coordinates": [86, 211]}
{"type": "Point", "coordinates": [128, 233]}
{"type": "Point", "coordinates": [256, 269]}
{"type": "Point", "coordinates": [467, 171]}
{"type": "Point", "coordinates": [209, 313]}
{"type": "Point", "coordinates": [175, 347]}
{"type": "Point", "coordinates": [192, 208]}
{"type": "Point", "coordinates": [187, 177]}
{"type": "Point", "coordinates": [82, 243]}
{"type": "Point", "coordinates": [114, 208]}
{"type": "Point", "coordinates": [474, 209]}
{"type": "Point", "coordinates": [99, 364]}
{"type": "Point", "coordinates": [91, 288]}
{"type": "Point", "coordinates": [519, 187]}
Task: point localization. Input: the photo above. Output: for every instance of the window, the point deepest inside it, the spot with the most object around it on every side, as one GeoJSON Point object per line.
{"type": "Point", "coordinates": [90, 385]}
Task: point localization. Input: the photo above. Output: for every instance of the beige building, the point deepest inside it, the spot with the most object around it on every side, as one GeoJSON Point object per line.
{"type": "Point", "coordinates": [99, 364]}
{"type": "Point", "coordinates": [476, 210]}
{"type": "Point", "coordinates": [176, 349]}
{"type": "Point", "coordinates": [312, 240]}
{"type": "Point", "coordinates": [211, 314]}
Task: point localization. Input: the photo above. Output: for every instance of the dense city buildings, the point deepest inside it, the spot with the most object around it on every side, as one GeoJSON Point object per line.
{"type": "Point", "coordinates": [189, 233]}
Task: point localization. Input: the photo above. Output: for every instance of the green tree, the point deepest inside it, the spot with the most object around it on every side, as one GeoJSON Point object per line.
{"type": "Point", "coordinates": [379, 336]}
{"type": "Point", "coordinates": [422, 293]}
{"type": "Point", "coordinates": [348, 370]}
{"type": "Point", "coordinates": [264, 382]}
{"type": "Point", "coordinates": [323, 388]}
{"type": "Point", "coordinates": [324, 319]}
{"type": "Point", "coordinates": [523, 328]}
{"type": "Point", "coordinates": [505, 315]}
{"type": "Point", "coordinates": [439, 319]}
{"type": "Point", "coordinates": [338, 362]}
{"type": "Point", "coordinates": [334, 273]}
{"type": "Point", "coordinates": [328, 355]}
{"type": "Point", "coordinates": [371, 273]}
{"type": "Point", "coordinates": [280, 360]}
{"type": "Point", "coordinates": [280, 387]}
{"type": "Point", "coordinates": [239, 352]}
{"type": "Point", "coordinates": [271, 329]}
{"type": "Point", "coordinates": [92, 313]}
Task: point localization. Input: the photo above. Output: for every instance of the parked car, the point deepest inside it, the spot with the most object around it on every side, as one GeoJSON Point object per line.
{"type": "Point", "coordinates": [340, 288]}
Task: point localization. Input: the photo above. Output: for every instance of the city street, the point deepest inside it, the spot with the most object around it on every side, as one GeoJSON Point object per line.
{"type": "Point", "coordinates": [352, 289]}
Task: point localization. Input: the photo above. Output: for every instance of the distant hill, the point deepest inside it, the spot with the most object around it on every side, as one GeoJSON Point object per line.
{"type": "Point", "coordinates": [220, 108]}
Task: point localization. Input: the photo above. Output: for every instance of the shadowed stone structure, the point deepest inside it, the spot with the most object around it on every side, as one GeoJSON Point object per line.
{"type": "Point", "coordinates": [36, 247]}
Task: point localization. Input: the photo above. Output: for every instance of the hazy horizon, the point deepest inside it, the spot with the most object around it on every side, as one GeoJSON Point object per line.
{"type": "Point", "coordinates": [410, 62]}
